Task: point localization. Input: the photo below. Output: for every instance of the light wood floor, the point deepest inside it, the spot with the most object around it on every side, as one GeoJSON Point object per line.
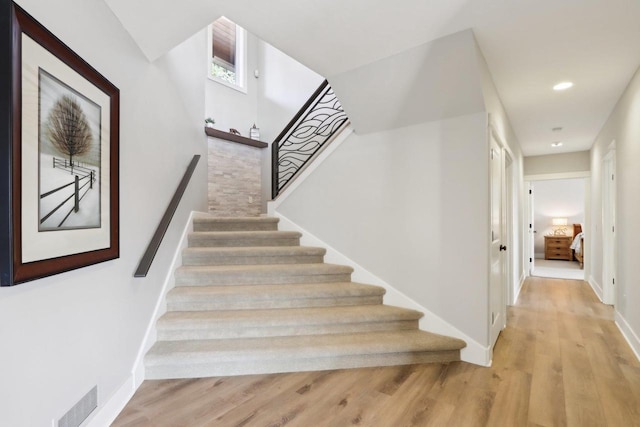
{"type": "Point", "coordinates": [561, 361]}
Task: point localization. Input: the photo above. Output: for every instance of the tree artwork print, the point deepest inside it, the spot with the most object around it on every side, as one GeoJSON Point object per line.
{"type": "Point", "coordinates": [68, 128]}
{"type": "Point", "coordinates": [69, 156]}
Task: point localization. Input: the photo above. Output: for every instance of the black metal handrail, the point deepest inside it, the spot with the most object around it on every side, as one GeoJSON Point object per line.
{"type": "Point", "coordinates": [156, 240]}
{"type": "Point", "coordinates": [319, 119]}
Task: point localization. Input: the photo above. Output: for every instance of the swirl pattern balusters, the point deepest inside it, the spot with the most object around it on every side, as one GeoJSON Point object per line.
{"type": "Point", "coordinates": [308, 135]}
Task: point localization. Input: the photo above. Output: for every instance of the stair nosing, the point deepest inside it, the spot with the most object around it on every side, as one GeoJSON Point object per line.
{"type": "Point", "coordinates": [261, 267]}
{"type": "Point", "coordinates": [248, 349]}
{"type": "Point", "coordinates": [224, 234]}
{"type": "Point", "coordinates": [275, 292]}
{"type": "Point", "coordinates": [308, 316]}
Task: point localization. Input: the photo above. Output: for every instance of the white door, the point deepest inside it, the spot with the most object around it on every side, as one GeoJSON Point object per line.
{"type": "Point", "coordinates": [608, 228]}
{"type": "Point", "coordinates": [497, 307]}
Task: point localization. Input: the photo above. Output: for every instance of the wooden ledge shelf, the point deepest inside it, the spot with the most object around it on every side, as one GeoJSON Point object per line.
{"type": "Point", "coordinates": [216, 133]}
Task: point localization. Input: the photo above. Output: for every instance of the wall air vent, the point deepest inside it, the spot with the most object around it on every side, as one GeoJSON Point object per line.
{"type": "Point", "coordinates": [81, 410]}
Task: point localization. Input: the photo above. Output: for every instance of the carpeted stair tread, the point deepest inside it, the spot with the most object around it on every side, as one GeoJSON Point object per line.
{"type": "Point", "coordinates": [206, 223]}
{"type": "Point", "coordinates": [261, 274]}
{"type": "Point", "coordinates": [298, 347]}
{"type": "Point", "coordinates": [249, 299]}
{"type": "Point", "coordinates": [243, 238]}
{"type": "Point", "coordinates": [306, 316]}
{"type": "Point", "coordinates": [252, 255]}
{"type": "Point", "coordinates": [272, 296]}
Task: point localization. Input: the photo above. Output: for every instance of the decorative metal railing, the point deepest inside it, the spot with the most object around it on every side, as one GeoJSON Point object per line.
{"type": "Point", "coordinates": [305, 136]}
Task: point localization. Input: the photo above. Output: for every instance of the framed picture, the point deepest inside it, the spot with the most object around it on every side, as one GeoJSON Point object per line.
{"type": "Point", "coordinates": [63, 158]}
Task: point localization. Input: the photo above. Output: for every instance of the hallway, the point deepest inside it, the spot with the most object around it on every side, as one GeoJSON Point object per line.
{"type": "Point", "coordinates": [560, 361]}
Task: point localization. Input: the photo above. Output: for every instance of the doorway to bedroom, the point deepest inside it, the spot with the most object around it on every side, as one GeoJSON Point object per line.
{"type": "Point", "coordinates": [558, 218]}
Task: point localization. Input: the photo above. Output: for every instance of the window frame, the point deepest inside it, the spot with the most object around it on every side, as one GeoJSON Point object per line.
{"type": "Point", "coordinates": [241, 59]}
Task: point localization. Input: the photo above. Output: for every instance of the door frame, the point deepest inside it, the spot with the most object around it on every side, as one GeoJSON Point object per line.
{"type": "Point", "coordinates": [609, 252]}
{"type": "Point", "coordinates": [530, 229]}
{"type": "Point", "coordinates": [507, 232]}
{"type": "Point", "coordinates": [587, 211]}
{"type": "Point", "coordinates": [509, 215]}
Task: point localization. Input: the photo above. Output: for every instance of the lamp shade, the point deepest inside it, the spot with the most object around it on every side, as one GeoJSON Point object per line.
{"type": "Point", "coordinates": [559, 221]}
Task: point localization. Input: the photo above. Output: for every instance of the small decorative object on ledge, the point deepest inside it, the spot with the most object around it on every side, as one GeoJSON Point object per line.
{"type": "Point", "coordinates": [234, 131]}
{"type": "Point", "coordinates": [209, 122]}
{"type": "Point", "coordinates": [254, 133]}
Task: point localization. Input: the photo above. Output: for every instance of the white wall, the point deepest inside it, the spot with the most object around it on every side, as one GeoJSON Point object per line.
{"type": "Point", "coordinates": [500, 123]}
{"type": "Point", "coordinates": [622, 126]}
{"type": "Point", "coordinates": [270, 101]}
{"type": "Point", "coordinates": [283, 88]}
{"type": "Point", "coordinates": [411, 206]}
{"type": "Point", "coordinates": [429, 82]}
{"type": "Point", "coordinates": [62, 335]}
{"type": "Point", "coordinates": [232, 108]}
{"type": "Point", "coordinates": [556, 198]}
{"type": "Point", "coordinates": [578, 161]}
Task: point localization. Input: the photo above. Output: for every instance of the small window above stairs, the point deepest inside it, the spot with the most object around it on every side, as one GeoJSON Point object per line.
{"type": "Point", "coordinates": [249, 299]}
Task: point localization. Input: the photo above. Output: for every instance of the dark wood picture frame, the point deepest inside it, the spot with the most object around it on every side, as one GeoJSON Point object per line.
{"type": "Point", "coordinates": [15, 22]}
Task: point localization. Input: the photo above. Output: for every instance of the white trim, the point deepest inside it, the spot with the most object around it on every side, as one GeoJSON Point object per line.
{"type": "Point", "coordinates": [560, 175]}
{"type": "Point", "coordinates": [106, 414]}
{"type": "Point", "coordinates": [628, 333]}
{"type": "Point", "coordinates": [608, 216]}
{"type": "Point", "coordinates": [523, 277]}
{"type": "Point", "coordinates": [474, 352]}
{"type": "Point", "coordinates": [596, 287]}
{"type": "Point", "coordinates": [273, 205]}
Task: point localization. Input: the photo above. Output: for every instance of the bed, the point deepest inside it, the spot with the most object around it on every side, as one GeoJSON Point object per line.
{"type": "Point", "coordinates": [577, 246]}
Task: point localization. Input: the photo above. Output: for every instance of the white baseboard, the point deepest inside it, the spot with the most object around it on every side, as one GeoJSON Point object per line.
{"type": "Point", "coordinates": [523, 277]}
{"type": "Point", "coordinates": [474, 352]}
{"type": "Point", "coordinates": [628, 334]}
{"type": "Point", "coordinates": [596, 288]}
{"type": "Point", "coordinates": [108, 412]}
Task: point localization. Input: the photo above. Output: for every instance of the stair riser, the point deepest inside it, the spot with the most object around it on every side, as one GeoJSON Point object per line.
{"type": "Point", "coordinates": [235, 226]}
{"type": "Point", "coordinates": [221, 332]}
{"type": "Point", "coordinates": [228, 279]}
{"type": "Point", "coordinates": [203, 242]}
{"type": "Point", "coordinates": [206, 259]}
{"type": "Point", "coordinates": [205, 305]}
{"type": "Point", "coordinates": [243, 367]}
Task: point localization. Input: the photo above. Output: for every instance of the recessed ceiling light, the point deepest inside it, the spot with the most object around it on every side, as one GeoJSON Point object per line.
{"type": "Point", "coordinates": [557, 144]}
{"type": "Point", "coordinates": [558, 129]}
{"type": "Point", "coordinates": [563, 86]}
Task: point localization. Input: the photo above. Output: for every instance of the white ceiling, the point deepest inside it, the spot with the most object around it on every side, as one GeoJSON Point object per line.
{"type": "Point", "coordinates": [529, 46]}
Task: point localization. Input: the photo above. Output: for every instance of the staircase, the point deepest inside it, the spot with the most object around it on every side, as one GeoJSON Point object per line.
{"type": "Point", "coordinates": [249, 299]}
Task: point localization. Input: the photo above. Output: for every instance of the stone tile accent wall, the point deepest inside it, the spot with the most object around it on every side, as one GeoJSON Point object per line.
{"type": "Point", "coordinates": [234, 178]}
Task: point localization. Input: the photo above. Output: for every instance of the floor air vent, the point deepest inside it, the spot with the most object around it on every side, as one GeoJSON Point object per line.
{"type": "Point", "coordinates": [81, 410]}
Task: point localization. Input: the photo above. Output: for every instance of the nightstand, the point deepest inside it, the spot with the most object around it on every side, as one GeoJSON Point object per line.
{"type": "Point", "coordinates": [557, 247]}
